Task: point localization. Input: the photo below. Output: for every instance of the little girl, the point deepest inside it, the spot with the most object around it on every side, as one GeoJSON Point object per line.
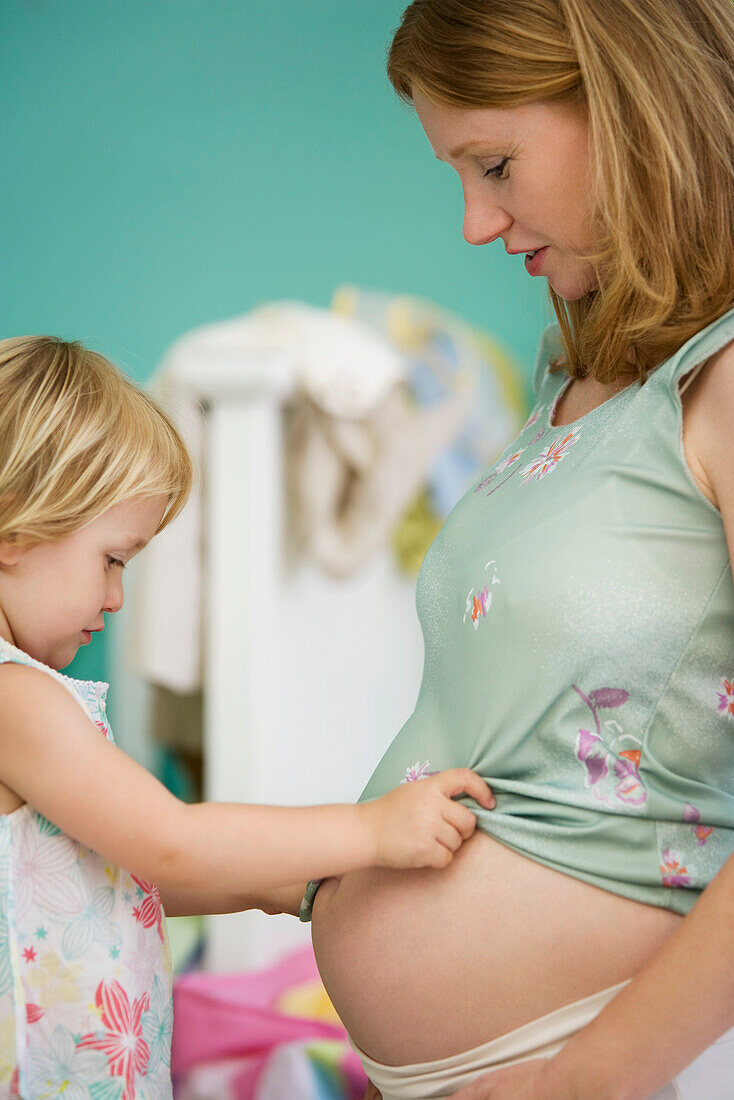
{"type": "Point", "coordinates": [90, 470]}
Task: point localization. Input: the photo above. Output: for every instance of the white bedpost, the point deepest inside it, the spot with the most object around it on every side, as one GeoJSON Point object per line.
{"type": "Point", "coordinates": [306, 678]}
{"type": "Point", "coordinates": [243, 550]}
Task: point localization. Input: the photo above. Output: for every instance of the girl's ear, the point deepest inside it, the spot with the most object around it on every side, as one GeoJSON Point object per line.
{"type": "Point", "coordinates": [10, 552]}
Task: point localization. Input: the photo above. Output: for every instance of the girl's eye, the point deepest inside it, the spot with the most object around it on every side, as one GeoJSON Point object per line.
{"type": "Point", "coordinates": [115, 561]}
{"type": "Point", "coordinates": [499, 171]}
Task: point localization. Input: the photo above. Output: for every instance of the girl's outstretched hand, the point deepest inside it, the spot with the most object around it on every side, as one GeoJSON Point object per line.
{"type": "Point", "coordinates": [418, 824]}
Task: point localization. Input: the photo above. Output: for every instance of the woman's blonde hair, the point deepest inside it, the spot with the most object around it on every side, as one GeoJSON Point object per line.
{"type": "Point", "coordinates": [657, 80]}
{"type": "Point", "coordinates": [77, 437]}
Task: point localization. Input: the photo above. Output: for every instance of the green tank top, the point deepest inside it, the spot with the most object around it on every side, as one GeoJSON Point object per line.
{"type": "Point", "coordinates": [577, 610]}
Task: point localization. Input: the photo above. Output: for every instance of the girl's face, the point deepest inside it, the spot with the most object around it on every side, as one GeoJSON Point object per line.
{"type": "Point", "coordinates": [53, 596]}
{"type": "Point", "coordinates": [526, 179]}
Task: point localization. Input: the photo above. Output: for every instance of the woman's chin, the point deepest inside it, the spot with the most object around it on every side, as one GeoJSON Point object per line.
{"type": "Point", "coordinates": [574, 284]}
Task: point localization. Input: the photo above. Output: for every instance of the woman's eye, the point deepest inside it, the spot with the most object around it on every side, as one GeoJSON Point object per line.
{"type": "Point", "coordinates": [115, 561]}
{"type": "Point", "coordinates": [499, 171]}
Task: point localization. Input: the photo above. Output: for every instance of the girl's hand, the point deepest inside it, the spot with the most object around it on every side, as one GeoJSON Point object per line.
{"type": "Point", "coordinates": [418, 824]}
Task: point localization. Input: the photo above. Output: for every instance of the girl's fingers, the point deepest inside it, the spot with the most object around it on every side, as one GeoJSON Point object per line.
{"type": "Point", "coordinates": [464, 781]}
{"type": "Point", "coordinates": [462, 819]}
{"type": "Point", "coordinates": [447, 835]}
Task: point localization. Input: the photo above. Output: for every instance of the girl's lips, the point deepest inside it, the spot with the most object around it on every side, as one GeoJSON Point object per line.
{"type": "Point", "coordinates": [533, 266]}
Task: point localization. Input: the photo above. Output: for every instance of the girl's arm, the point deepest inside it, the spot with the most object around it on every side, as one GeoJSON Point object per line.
{"type": "Point", "coordinates": [186, 903]}
{"type": "Point", "coordinates": [54, 758]}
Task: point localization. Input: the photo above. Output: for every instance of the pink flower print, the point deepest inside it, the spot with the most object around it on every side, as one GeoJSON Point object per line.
{"type": "Point", "coordinates": [478, 606]}
{"type": "Point", "coordinates": [701, 832]}
{"type": "Point", "coordinates": [548, 459]}
{"type": "Point", "coordinates": [726, 698]}
{"type": "Point", "coordinates": [590, 751]}
{"type": "Point", "coordinates": [509, 460]}
{"type": "Point", "coordinates": [123, 1043]}
{"type": "Point", "coordinates": [417, 771]}
{"type": "Point", "coordinates": [532, 419]}
{"type": "Point", "coordinates": [629, 789]}
{"type": "Point", "coordinates": [594, 752]}
{"type": "Point", "coordinates": [150, 911]}
{"type": "Point", "coordinates": [673, 870]}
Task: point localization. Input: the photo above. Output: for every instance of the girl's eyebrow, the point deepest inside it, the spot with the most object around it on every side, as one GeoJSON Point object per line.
{"type": "Point", "coordinates": [129, 545]}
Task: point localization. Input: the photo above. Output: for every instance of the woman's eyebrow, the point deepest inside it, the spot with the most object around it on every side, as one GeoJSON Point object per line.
{"type": "Point", "coordinates": [468, 146]}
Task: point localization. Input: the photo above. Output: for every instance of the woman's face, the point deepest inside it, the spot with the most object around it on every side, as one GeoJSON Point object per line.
{"type": "Point", "coordinates": [526, 178]}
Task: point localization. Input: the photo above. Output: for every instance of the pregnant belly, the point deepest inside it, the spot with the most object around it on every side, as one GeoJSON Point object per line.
{"type": "Point", "coordinates": [421, 965]}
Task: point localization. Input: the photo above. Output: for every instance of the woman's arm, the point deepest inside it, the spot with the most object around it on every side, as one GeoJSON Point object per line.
{"type": "Point", "coordinates": [675, 1007]}
{"type": "Point", "coordinates": [682, 1000]}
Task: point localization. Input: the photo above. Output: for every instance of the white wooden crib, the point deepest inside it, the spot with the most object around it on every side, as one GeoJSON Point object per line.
{"type": "Point", "coordinates": [306, 678]}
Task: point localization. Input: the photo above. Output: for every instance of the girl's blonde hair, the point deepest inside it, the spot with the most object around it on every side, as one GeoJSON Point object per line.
{"type": "Point", "coordinates": [656, 79]}
{"type": "Point", "coordinates": [77, 437]}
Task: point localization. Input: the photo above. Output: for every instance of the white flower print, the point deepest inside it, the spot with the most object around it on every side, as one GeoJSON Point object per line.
{"type": "Point", "coordinates": [43, 866]}
{"type": "Point", "coordinates": [511, 458]}
{"type": "Point", "coordinates": [548, 459]}
{"type": "Point", "coordinates": [417, 771]}
{"type": "Point", "coordinates": [64, 1070]}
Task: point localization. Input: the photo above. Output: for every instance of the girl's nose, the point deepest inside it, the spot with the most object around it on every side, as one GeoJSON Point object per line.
{"type": "Point", "coordinates": [484, 221]}
{"type": "Point", "coordinates": [115, 594]}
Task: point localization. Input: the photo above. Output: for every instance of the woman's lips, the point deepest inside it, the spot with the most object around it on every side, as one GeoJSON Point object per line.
{"type": "Point", "coordinates": [533, 264]}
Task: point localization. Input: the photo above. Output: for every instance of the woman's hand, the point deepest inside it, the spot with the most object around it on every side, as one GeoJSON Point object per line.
{"type": "Point", "coordinates": [418, 824]}
{"type": "Point", "coordinates": [535, 1080]}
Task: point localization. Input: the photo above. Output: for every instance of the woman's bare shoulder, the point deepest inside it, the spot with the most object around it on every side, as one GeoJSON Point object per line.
{"type": "Point", "coordinates": [708, 419]}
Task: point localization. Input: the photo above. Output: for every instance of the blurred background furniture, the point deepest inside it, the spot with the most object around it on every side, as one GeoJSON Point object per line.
{"type": "Point", "coordinates": [307, 651]}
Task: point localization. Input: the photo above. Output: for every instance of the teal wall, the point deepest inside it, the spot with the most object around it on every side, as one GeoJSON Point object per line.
{"type": "Point", "coordinates": [167, 163]}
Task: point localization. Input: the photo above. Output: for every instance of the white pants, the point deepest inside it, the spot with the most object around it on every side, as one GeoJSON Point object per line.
{"type": "Point", "coordinates": [709, 1077]}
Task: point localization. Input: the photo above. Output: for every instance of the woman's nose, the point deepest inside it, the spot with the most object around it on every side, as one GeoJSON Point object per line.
{"type": "Point", "coordinates": [484, 221]}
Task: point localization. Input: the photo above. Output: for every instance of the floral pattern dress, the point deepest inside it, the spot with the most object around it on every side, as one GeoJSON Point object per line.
{"type": "Point", "coordinates": [86, 1009]}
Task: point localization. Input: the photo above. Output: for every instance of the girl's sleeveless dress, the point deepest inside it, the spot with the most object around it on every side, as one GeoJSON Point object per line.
{"type": "Point", "coordinates": [86, 1010]}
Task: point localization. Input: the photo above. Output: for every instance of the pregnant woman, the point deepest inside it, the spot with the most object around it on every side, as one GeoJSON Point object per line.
{"type": "Point", "coordinates": [578, 606]}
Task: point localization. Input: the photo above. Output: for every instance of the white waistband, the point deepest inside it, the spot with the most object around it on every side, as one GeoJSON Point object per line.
{"type": "Point", "coordinates": [541, 1038]}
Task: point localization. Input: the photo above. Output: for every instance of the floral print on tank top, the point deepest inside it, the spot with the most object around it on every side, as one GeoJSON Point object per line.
{"type": "Point", "coordinates": [610, 758]}
{"type": "Point", "coordinates": [86, 1008]}
{"type": "Point", "coordinates": [594, 689]}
